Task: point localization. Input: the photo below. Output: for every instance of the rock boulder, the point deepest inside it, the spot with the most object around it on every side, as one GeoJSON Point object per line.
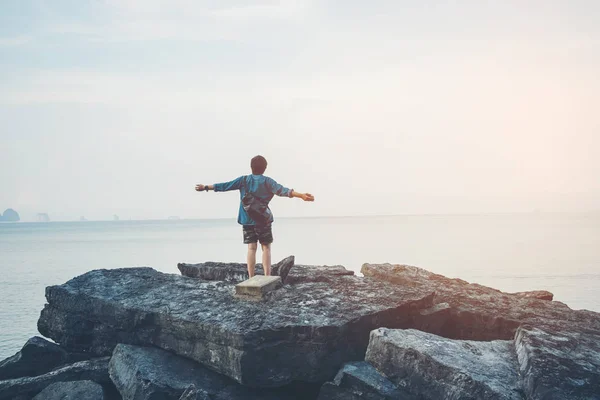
{"type": "Point", "coordinates": [237, 272]}
{"type": "Point", "coordinates": [94, 370]}
{"type": "Point", "coordinates": [283, 268]}
{"type": "Point", "coordinates": [536, 294]}
{"type": "Point", "coordinates": [149, 373]}
{"type": "Point", "coordinates": [432, 367]}
{"type": "Point", "coordinates": [76, 390]}
{"type": "Point", "coordinates": [481, 313]}
{"type": "Point", "coordinates": [558, 364]}
{"type": "Point", "coordinates": [557, 347]}
{"type": "Point", "coordinates": [360, 381]}
{"type": "Point", "coordinates": [37, 356]}
{"type": "Point", "coordinates": [302, 332]}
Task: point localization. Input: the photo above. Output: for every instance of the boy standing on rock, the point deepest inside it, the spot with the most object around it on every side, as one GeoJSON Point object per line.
{"type": "Point", "coordinates": [256, 191]}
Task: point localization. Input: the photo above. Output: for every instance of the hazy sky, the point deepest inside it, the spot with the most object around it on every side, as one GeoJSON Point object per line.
{"type": "Point", "coordinates": [376, 107]}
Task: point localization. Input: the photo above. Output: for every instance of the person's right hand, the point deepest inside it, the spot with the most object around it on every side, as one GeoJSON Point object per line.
{"type": "Point", "coordinates": [308, 197]}
{"type": "Point", "coordinates": [199, 187]}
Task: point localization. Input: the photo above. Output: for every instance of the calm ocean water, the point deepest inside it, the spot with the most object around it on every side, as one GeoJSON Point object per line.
{"type": "Point", "coordinates": [556, 252]}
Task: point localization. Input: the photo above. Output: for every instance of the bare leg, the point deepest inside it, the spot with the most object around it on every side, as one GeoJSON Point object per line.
{"type": "Point", "coordinates": [251, 259]}
{"type": "Point", "coordinates": [266, 258]}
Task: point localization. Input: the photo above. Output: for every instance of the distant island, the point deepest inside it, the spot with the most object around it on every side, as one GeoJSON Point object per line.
{"type": "Point", "coordinates": [42, 217]}
{"type": "Point", "coordinates": [10, 215]}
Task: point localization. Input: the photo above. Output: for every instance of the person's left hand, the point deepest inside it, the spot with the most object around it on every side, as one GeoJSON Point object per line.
{"type": "Point", "coordinates": [308, 197]}
{"type": "Point", "coordinates": [200, 187]}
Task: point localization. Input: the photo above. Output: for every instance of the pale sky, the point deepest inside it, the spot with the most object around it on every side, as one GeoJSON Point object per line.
{"type": "Point", "coordinates": [376, 107]}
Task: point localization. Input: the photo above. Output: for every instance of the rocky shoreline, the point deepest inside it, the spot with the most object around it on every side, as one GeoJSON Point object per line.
{"type": "Point", "coordinates": [398, 332]}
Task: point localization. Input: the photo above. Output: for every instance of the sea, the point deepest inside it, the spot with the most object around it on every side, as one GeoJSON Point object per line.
{"type": "Point", "coordinates": [510, 252]}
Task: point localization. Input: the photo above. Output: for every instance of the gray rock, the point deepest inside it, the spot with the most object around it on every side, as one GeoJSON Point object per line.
{"type": "Point", "coordinates": [563, 360]}
{"type": "Point", "coordinates": [558, 364]}
{"type": "Point", "coordinates": [237, 272]}
{"type": "Point", "coordinates": [147, 373]}
{"type": "Point", "coordinates": [218, 271]}
{"type": "Point", "coordinates": [151, 373]}
{"type": "Point", "coordinates": [301, 332]}
{"type": "Point", "coordinates": [436, 368]}
{"type": "Point", "coordinates": [193, 393]}
{"type": "Point", "coordinates": [432, 319]}
{"type": "Point", "coordinates": [234, 272]}
{"type": "Point", "coordinates": [77, 390]}
{"type": "Point", "coordinates": [37, 356]}
{"type": "Point", "coordinates": [283, 268]}
{"type": "Point", "coordinates": [536, 294]}
{"type": "Point", "coordinates": [290, 392]}
{"type": "Point", "coordinates": [316, 274]}
{"type": "Point", "coordinates": [94, 370]}
{"type": "Point", "coordinates": [360, 381]}
{"type": "Point", "coordinates": [482, 313]}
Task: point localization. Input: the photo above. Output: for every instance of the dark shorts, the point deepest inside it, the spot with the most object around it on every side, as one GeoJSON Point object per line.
{"type": "Point", "coordinates": [254, 233]}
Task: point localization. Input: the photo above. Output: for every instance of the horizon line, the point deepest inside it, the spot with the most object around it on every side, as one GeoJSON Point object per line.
{"type": "Point", "coordinates": [489, 213]}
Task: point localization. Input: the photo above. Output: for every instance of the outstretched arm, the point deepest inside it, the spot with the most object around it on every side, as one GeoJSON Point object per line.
{"type": "Point", "coordinates": [303, 196]}
{"type": "Point", "coordinates": [222, 187]}
{"type": "Point", "coordinates": [201, 188]}
{"type": "Point", "coordinates": [282, 191]}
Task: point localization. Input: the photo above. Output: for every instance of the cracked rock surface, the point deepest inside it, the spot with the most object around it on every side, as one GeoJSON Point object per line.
{"type": "Point", "coordinates": [479, 312]}
{"type": "Point", "coordinates": [558, 348]}
{"type": "Point", "coordinates": [434, 367]}
{"type": "Point", "coordinates": [289, 272]}
{"type": "Point", "coordinates": [302, 332]}
{"type": "Point", "coordinates": [432, 337]}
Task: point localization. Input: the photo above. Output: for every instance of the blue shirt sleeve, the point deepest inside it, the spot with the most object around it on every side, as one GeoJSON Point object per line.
{"type": "Point", "coordinates": [279, 190]}
{"type": "Point", "coordinates": [235, 184]}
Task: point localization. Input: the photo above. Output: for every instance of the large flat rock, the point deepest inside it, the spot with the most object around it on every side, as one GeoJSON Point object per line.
{"type": "Point", "coordinates": [483, 313]}
{"type": "Point", "coordinates": [301, 332]}
{"type": "Point", "coordinates": [434, 368]}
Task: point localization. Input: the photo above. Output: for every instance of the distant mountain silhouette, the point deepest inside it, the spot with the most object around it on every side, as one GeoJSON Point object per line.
{"type": "Point", "coordinates": [42, 217]}
{"type": "Point", "coordinates": [10, 215]}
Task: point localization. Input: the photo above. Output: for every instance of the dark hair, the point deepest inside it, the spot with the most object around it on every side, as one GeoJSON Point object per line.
{"type": "Point", "coordinates": [258, 165]}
